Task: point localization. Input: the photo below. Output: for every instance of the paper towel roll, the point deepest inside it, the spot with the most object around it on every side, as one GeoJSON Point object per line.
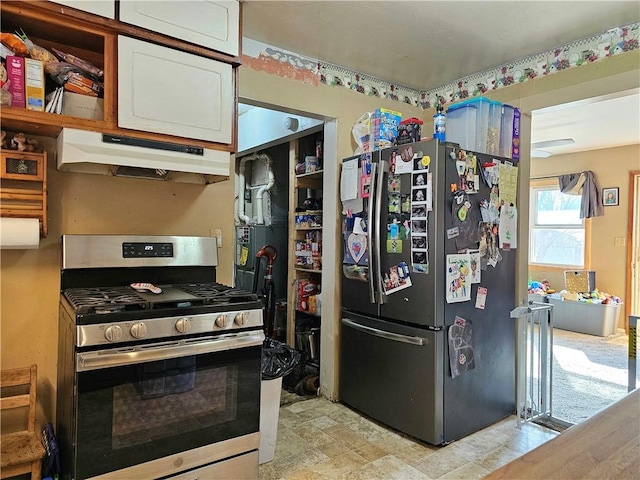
{"type": "Point", "coordinates": [19, 233]}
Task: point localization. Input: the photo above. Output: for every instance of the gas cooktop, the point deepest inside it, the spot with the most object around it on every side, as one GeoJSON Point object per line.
{"type": "Point", "coordinates": [108, 300]}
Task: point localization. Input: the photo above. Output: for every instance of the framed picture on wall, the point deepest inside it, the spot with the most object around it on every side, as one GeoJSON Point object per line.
{"type": "Point", "coordinates": [610, 196]}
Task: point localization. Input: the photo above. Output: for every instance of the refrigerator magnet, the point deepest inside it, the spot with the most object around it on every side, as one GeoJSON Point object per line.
{"type": "Point", "coordinates": [475, 275]}
{"type": "Point", "coordinates": [461, 357]}
{"type": "Point", "coordinates": [394, 203]}
{"type": "Point", "coordinates": [396, 278]}
{"type": "Point", "coordinates": [421, 163]}
{"type": "Point", "coordinates": [394, 246]}
{"type": "Point", "coordinates": [365, 186]}
{"type": "Point", "coordinates": [419, 179]}
{"type": "Point", "coordinates": [405, 203]}
{"type": "Point", "coordinates": [355, 249]}
{"type": "Point", "coordinates": [394, 183]}
{"type": "Point", "coordinates": [393, 227]}
{"type": "Point", "coordinates": [359, 225]}
{"type": "Point", "coordinates": [453, 233]}
{"type": "Point", "coordinates": [481, 298]}
{"type": "Point", "coordinates": [404, 161]}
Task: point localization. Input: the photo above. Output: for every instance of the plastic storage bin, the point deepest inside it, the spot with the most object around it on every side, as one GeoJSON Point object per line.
{"type": "Point", "coordinates": [475, 124]}
{"type": "Point", "coordinates": [583, 317]}
{"type": "Point", "coordinates": [492, 130]}
{"type": "Point", "coordinates": [462, 123]}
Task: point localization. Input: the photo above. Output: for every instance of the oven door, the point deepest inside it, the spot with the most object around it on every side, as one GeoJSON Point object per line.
{"type": "Point", "coordinates": [143, 404]}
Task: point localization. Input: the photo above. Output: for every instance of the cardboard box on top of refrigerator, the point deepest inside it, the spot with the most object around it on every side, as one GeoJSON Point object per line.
{"type": "Point", "coordinates": [383, 129]}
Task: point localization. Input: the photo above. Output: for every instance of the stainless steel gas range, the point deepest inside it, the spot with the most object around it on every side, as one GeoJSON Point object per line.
{"type": "Point", "coordinates": [159, 365]}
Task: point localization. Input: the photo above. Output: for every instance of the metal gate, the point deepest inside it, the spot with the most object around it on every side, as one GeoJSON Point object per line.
{"type": "Point", "coordinates": [535, 361]}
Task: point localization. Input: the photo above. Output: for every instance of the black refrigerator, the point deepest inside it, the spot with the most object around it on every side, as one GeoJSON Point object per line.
{"type": "Point", "coordinates": [427, 343]}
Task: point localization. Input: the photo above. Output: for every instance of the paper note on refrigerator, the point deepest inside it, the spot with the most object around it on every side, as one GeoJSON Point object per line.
{"type": "Point", "coordinates": [508, 183]}
{"type": "Point", "coordinates": [349, 180]}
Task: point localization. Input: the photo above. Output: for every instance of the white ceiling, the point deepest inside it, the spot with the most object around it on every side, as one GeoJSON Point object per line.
{"type": "Point", "coordinates": [427, 44]}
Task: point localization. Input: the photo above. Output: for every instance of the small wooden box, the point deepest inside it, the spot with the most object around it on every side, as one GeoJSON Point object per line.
{"type": "Point", "coordinates": [23, 192]}
{"type": "Point", "coordinates": [23, 165]}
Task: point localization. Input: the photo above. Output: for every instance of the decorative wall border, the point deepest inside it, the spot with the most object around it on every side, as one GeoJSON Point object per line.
{"type": "Point", "coordinates": [263, 57]}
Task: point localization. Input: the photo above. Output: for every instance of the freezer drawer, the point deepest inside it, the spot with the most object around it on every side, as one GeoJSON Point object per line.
{"type": "Point", "coordinates": [391, 373]}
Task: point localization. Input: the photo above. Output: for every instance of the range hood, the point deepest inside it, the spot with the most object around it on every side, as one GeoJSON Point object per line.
{"type": "Point", "coordinates": [93, 152]}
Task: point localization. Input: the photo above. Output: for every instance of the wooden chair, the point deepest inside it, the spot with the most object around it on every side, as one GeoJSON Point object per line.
{"type": "Point", "coordinates": [22, 451]}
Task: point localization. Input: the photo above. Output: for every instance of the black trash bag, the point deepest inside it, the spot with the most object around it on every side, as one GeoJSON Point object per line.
{"type": "Point", "coordinates": [278, 359]}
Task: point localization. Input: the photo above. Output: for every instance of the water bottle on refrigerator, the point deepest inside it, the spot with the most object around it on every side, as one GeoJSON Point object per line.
{"type": "Point", "coordinates": [439, 124]}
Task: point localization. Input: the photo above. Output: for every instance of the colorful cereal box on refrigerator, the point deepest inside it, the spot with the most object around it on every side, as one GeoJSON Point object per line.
{"type": "Point", "coordinates": [384, 128]}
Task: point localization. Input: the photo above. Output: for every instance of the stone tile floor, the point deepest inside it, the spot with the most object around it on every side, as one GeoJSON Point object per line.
{"type": "Point", "coordinates": [321, 440]}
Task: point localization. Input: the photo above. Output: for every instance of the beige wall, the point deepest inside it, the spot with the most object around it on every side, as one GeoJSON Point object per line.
{"type": "Point", "coordinates": [611, 168]}
{"type": "Point", "coordinates": [82, 203]}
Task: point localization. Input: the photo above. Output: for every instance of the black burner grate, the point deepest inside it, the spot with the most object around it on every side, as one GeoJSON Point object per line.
{"type": "Point", "coordinates": [104, 299]}
{"type": "Point", "coordinates": [218, 294]}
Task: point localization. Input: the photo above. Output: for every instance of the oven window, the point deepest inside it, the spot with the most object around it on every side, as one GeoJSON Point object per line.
{"type": "Point", "coordinates": [137, 413]}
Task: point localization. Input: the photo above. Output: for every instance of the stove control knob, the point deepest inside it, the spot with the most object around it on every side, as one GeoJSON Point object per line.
{"type": "Point", "coordinates": [222, 321]}
{"type": "Point", "coordinates": [138, 330]}
{"type": "Point", "coordinates": [113, 333]}
{"type": "Point", "coordinates": [183, 325]}
{"type": "Point", "coordinates": [241, 318]}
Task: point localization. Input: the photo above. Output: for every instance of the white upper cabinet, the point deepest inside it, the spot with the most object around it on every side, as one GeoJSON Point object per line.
{"type": "Point", "coordinates": [104, 8]}
{"type": "Point", "coordinates": [214, 25]}
{"type": "Point", "coordinates": [168, 91]}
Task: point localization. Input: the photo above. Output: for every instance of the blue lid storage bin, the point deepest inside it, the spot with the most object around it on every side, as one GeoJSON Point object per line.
{"type": "Point", "coordinates": [475, 125]}
{"type": "Point", "coordinates": [462, 123]}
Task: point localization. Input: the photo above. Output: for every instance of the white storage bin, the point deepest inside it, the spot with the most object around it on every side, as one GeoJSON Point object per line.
{"type": "Point", "coordinates": [583, 317]}
{"type": "Point", "coordinates": [475, 124]}
{"type": "Point", "coordinates": [462, 123]}
{"type": "Point", "coordinates": [492, 131]}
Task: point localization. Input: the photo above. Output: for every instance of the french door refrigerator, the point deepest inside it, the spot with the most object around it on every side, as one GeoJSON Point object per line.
{"type": "Point", "coordinates": [427, 278]}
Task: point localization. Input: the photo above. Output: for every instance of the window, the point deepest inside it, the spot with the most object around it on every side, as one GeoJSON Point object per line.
{"type": "Point", "coordinates": [557, 233]}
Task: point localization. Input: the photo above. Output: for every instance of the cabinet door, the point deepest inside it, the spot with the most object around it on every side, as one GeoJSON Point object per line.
{"type": "Point", "coordinates": [214, 25]}
{"type": "Point", "coordinates": [167, 91]}
{"type": "Point", "coordinates": [104, 8]}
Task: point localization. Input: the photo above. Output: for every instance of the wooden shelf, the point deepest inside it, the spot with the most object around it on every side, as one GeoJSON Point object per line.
{"type": "Point", "coordinates": [317, 174]}
{"type": "Point", "coordinates": [300, 229]}
{"type": "Point", "coordinates": [300, 277]}
{"type": "Point", "coordinates": [310, 270]}
{"type": "Point", "coordinates": [311, 180]}
{"type": "Point", "coordinates": [23, 192]}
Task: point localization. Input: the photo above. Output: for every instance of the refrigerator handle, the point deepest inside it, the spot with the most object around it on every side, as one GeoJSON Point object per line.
{"type": "Point", "coordinates": [384, 167]}
{"type": "Point", "coordinates": [371, 239]}
{"type": "Point", "coordinates": [396, 337]}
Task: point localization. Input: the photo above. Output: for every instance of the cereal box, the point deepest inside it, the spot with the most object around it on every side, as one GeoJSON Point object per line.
{"type": "Point", "coordinates": [34, 84]}
{"type": "Point", "coordinates": [15, 80]}
{"type": "Point", "coordinates": [383, 128]}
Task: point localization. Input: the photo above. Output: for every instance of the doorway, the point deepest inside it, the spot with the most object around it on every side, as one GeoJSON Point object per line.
{"type": "Point", "coordinates": [589, 370]}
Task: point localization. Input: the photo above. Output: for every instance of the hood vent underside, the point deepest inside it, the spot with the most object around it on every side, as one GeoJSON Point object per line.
{"type": "Point", "coordinates": [138, 172]}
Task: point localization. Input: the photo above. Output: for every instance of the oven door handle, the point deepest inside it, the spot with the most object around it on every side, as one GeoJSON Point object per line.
{"type": "Point", "coordinates": [87, 361]}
